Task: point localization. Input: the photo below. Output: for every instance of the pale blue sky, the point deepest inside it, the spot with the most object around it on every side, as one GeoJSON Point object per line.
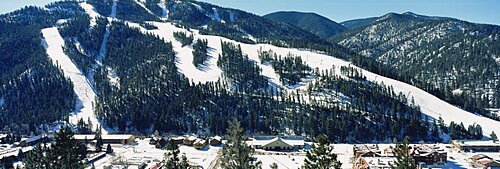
{"type": "Point", "coordinates": [480, 11]}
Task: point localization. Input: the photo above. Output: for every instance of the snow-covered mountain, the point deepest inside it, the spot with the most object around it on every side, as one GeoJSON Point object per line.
{"type": "Point", "coordinates": [459, 58]}
{"type": "Point", "coordinates": [131, 66]}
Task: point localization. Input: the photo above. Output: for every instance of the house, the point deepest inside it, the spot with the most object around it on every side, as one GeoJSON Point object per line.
{"type": "Point", "coordinates": [35, 140]}
{"type": "Point", "coordinates": [277, 143]}
{"type": "Point", "coordinates": [189, 141]}
{"type": "Point", "coordinates": [422, 153]}
{"type": "Point", "coordinates": [215, 141]}
{"type": "Point", "coordinates": [484, 161]}
{"type": "Point", "coordinates": [200, 144]}
{"type": "Point", "coordinates": [476, 146]}
{"type": "Point", "coordinates": [177, 140]}
{"type": "Point", "coordinates": [429, 154]}
{"type": "Point", "coordinates": [366, 151]}
{"type": "Point", "coordinates": [373, 162]}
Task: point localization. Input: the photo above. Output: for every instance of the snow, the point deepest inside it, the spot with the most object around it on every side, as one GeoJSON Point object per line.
{"type": "Point", "coordinates": [141, 3]}
{"type": "Point", "coordinates": [164, 9]}
{"type": "Point", "coordinates": [216, 15]}
{"type": "Point", "coordinates": [283, 161]}
{"type": "Point", "coordinates": [54, 43]}
{"type": "Point", "coordinates": [89, 9]}
{"type": "Point", "coordinates": [2, 101]}
{"type": "Point", "coordinates": [429, 104]}
{"type": "Point", "coordinates": [231, 16]}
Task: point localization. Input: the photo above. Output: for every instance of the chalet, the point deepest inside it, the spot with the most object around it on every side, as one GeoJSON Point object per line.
{"type": "Point", "coordinates": [35, 140]}
{"type": "Point", "coordinates": [177, 140]}
{"type": "Point", "coordinates": [422, 153]}
{"type": "Point", "coordinates": [189, 141]}
{"type": "Point", "coordinates": [373, 162]}
{"type": "Point", "coordinates": [215, 141]}
{"type": "Point", "coordinates": [200, 144]}
{"type": "Point", "coordinates": [277, 143]}
{"type": "Point", "coordinates": [484, 161]}
{"type": "Point", "coordinates": [476, 146]}
{"type": "Point", "coordinates": [366, 151]}
{"type": "Point", "coordinates": [429, 154]}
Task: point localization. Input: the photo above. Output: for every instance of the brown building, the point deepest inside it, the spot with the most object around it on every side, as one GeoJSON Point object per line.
{"type": "Point", "coordinates": [422, 153]}
{"type": "Point", "coordinates": [484, 161]}
{"type": "Point", "coordinates": [476, 146]}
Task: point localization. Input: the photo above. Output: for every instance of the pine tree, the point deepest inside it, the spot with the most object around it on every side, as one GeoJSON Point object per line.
{"type": "Point", "coordinates": [172, 160]}
{"type": "Point", "coordinates": [65, 153]}
{"type": "Point", "coordinates": [404, 160]}
{"type": "Point", "coordinates": [493, 137]}
{"type": "Point", "coordinates": [321, 157]}
{"type": "Point", "coordinates": [98, 138]}
{"type": "Point", "coordinates": [109, 150]}
{"type": "Point", "coordinates": [274, 166]}
{"type": "Point", "coordinates": [236, 154]}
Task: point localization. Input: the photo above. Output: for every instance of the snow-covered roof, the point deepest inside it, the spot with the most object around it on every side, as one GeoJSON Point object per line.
{"type": "Point", "coordinates": [376, 162]}
{"type": "Point", "coordinates": [478, 143]}
{"type": "Point", "coordinates": [117, 136]}
{"type": "Point", "coordinates": [291, 142]}
{"type": "Point", "coordinates": [84, 136]}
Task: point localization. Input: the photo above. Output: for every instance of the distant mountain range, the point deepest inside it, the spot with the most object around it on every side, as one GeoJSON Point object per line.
{"type": "Point", "coordinates": [312, 22]}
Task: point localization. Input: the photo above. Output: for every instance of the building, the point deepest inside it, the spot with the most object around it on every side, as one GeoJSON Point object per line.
{"type": "Point", "coordinates": [107, 139]}
{"type": "Point", "coordinates": [35, 140]}
{"type": "Point", "coordinates": [423, 154]}
{"type": "Point", "coordinates": [215, 141]}
{"type": "Point", "coordinates": [189, 141]}
{"type": "Point", "coordinates": [277, 143]}
{"type": "Point", "coordinates": [366, 151]}
{"type": "Point", "coordinates": [476, 146]}
{"type": "Point", "coordinates": [484, 161]}
{"type": "Point", "coordinates": [373, 162]}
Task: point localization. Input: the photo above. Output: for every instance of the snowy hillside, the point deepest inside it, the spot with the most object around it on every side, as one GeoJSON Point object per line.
{"type": "Point", "coordinates": [430, 105]}
{"type": "Point", "coordinates": [54, 43]}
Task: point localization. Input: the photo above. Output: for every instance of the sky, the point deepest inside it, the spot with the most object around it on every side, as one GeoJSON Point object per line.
{"type": "Point", "coordinates": [479, 11]}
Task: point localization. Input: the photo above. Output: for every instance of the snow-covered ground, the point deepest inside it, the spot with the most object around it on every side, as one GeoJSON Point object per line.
{"type": "Point", "coordinates": [2, 101]}
{"type": "Point", "coordinates": [143, 152]}
{"type": "Point", "coordinates": [429, 104]}
{"type": "Point", "coordinates": [54, 43]}
{"type": "Point", "coordinates": [89, 9]}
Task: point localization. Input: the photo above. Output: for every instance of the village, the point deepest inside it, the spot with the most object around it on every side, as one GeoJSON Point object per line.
{"type": "Point", "coordinates": [131, 152]}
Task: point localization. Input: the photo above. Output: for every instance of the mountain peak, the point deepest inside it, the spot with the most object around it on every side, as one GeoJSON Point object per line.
{"type": "Point", "coordinates": [309, 21]}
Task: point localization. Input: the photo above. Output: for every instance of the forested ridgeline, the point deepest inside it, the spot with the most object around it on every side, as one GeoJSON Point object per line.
{"type": "Point", "coordinates": [32, 89]}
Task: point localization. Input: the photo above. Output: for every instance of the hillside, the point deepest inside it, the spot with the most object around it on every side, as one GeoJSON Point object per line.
{"type": "Point", "coordinates": [173, 67]}
{"type": "Point", "coordinates": [311, 22]}
{"type": "Point", "coordinates": [355, 23]}
{"type": "Point", "coordinates": [433, 51]}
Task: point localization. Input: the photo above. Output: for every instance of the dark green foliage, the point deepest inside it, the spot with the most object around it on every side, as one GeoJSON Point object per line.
{"type": "Point", "coordinates": [459, 132]}
{"type": "Point", "coordinates": [436, 64]}
{"type": "Point", "coordinates": [98, 138]}
{"type": "Point", "coordinates": [131, 11]}
{"type": "Point", "coordinates": [65, 153]}
{"type": "Point", "coordinates": [183, 38]}
{"type": "Point", "coordinates": [291, 69]}
{"type": "Point", "coordinates": [103, 7]}
{"type": "Point", "coordinates": [33, 90]}
{"type": "Point", "coordinates": [173, 161]}
{"type": "Point", "coordinates": [200, 52]}
{"type": "Point", "coordinates": [109, 150]}
{"type": "Point", "coordinates": [83, 127]}
{"type": "Point", "coordinates": [321, 157]}
{"type": "Point", "coordinates": [243, 73]}
{"type": "Point", "coordinates": [148, 26]}
{"type": "Point", "coordinates": [236, 154]}
{"type": "Point", "coordinates": [404, 159]}
{"type": "Point", "coordinates": [311, 22]}
{"type": "Point", "coordinates": [493, 137]}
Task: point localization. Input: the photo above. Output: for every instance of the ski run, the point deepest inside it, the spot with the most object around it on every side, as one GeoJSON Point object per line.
{"type": "Point", "coordinates": [54, 43]}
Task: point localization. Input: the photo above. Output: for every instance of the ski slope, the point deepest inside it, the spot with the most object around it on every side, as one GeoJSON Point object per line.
{"type": "Point", "coordinates": [89, 9]}
{"type": "Point", "coordinates": [429, 104]}
{"type": "Point", "coordinates": [54, 43]}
